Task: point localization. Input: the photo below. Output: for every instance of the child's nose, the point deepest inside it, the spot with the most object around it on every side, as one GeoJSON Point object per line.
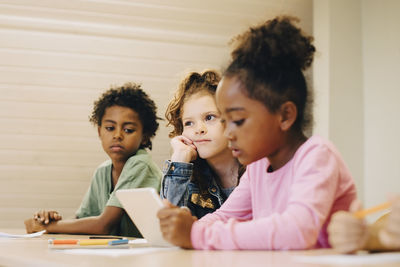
{"type": "Point", "coordinates": [117, 134]}
{"type": "Point", "coordinates": [228, 133]}
{"type": "Point", "coordinates": [201, 128]}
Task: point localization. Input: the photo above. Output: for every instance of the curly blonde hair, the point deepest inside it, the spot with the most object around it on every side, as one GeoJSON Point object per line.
{"type": "Point", "coordinates": [192, 84]}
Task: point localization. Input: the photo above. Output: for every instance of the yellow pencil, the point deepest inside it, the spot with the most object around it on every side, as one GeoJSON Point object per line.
{"type": "Point", "coordinates": [362, 213]}
{"type": "Point", "coordinates": [89, 242]}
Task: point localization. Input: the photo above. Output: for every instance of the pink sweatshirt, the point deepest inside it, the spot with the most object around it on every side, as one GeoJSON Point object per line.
{"type": "Point", "coordinates": [285, 209]}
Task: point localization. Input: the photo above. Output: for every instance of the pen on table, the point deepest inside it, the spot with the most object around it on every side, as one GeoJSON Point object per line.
{"type": "Point", "coordinates": [362, 213]}
{"type": "Point", "coordinates": [118, 242]}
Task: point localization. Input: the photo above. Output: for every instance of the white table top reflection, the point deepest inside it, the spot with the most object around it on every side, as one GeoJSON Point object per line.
{"type": "Point", "coordinates": [36, 252]}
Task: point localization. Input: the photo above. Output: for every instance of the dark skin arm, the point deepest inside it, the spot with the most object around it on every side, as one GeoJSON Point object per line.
{"type": "Point", "coordinates": [98, 225]}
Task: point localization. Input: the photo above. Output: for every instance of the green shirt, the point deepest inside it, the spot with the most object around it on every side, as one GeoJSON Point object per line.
{"type": "Point", "coordinates": [139, 171]}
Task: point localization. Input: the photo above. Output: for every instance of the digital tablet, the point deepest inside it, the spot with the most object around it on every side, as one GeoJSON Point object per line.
{"type": "Point", "coordinates": [142, 205]}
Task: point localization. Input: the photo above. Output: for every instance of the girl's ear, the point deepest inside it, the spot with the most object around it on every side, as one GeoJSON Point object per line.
{"type": "Point", "coordinates": [98, 130]}
{"type": "Point", "coordinates": [288, 111]}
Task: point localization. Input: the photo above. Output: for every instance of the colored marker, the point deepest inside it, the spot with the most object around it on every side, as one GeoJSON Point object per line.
{"type": "Point", "coordinates": [362, 213]}
{"type": "Point", "coordinates": [63, 241]}
{"type": "Point", "coordinates": [118, 242]}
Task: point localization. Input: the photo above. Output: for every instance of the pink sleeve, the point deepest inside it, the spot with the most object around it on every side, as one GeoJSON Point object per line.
{"type": "Point", "coordinates": [311, 196]}
{"type": "Point", "coordinates": [237, 206]}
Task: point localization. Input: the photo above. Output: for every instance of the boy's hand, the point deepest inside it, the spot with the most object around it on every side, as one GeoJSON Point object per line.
{"type": "Point", "coordinates": [176, 224]}
{"type": "Point", "coordinates": [348, 234]}
{"type": "Point", "coordinates": [183, 149]}
{"type": "Point", "coordinates": [390, 234]}
{"type": "Point", "coordinates": [46, 217]}
{"type": "Point", "coordinates": [33, 226]}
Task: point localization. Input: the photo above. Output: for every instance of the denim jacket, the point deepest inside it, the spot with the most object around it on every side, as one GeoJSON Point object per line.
{"type": "Point", "coordinates": [180, 191]}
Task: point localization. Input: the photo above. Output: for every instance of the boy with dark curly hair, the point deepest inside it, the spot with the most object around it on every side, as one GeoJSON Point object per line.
{"type": "Point", "coordinates": [126, 121]}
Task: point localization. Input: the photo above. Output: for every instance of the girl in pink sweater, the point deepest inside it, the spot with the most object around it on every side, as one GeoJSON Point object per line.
{"type": "Point", "coordinates": [293, 183]}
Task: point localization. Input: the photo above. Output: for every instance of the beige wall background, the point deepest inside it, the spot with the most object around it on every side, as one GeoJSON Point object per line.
{"type": "Point", "coordinates": [356, 81]}
{"type": "Point", "coordinates": [381, 57]}
{"type": "Point", "coordinates": [57, 57]}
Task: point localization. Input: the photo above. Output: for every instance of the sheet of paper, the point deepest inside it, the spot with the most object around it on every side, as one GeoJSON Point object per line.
{"type": "Point", "coordinates": [113, 252]}
{"type": "Point", "coordinates": [6, 235]}
{"type": "Point", "coordinates": [138, 241]}
{"type": "Point", "coordinates": [374, 258]}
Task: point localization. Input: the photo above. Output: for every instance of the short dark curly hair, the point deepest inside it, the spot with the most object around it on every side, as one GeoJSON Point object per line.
{"type": "Point", "coordinates": [269, 61]}
{"type": "Point", "coordinates": [132, 96]}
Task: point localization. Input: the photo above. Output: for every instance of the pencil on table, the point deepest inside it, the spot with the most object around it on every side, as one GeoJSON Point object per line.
{"type": "Point", "coordinates": [362, 213]}
{"type": "Point", "coordinates": [90, 242]}
{"type": "Point", "coordinates": [81, 242]}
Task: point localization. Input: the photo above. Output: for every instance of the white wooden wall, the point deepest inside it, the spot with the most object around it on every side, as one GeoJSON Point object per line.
{"type": "Point", "coordinates": [58, 56]}
{"type": "Point", "coordinates": [357, 90]}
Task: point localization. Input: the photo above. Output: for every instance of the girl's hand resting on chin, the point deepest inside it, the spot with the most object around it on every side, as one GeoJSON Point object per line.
{"type": "Point", "coordinates": [183, 149]}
